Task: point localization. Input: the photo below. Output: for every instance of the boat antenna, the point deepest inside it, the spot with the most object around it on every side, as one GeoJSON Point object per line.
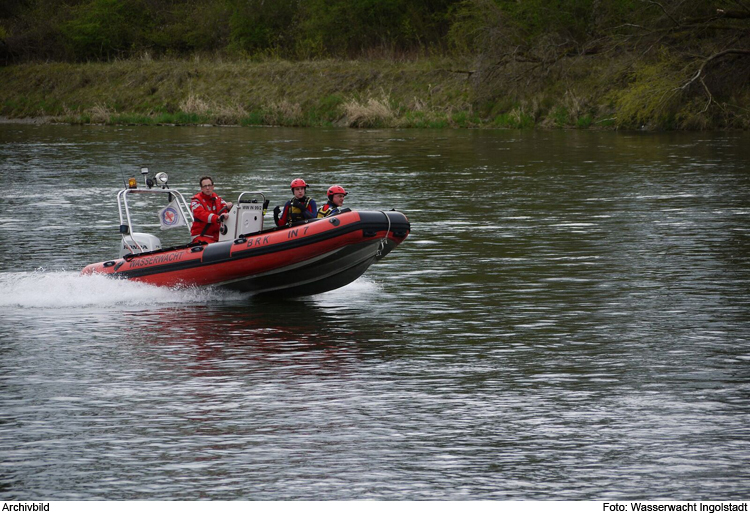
{"type": "Point", "coordinates": [122, 173]}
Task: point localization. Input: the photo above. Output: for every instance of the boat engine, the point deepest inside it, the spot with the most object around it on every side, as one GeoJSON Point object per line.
{"type": "Point", "coordinates": [139, 243]}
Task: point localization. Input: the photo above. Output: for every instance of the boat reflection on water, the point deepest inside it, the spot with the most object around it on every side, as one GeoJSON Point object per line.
{"type": "Point", "coordinates": [225, 340]}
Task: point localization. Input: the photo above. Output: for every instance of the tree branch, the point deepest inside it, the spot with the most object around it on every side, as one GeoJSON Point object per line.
{"type": "Point", "coordinates": [665, 11]}
{"type": "Point", "coordinates": [699, 74]}
{"type": "Point", "coordinates": [711, 59]}
{"type": "Point", "coordinates": [710, 96]}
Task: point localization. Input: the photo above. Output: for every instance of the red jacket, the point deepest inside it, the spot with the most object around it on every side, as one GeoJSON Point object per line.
{"type": "Point", "coordinates": [206, 211]}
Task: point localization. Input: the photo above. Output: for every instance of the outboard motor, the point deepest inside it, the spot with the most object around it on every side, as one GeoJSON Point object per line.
{"type": "Point", "coordinates": [136, 243]}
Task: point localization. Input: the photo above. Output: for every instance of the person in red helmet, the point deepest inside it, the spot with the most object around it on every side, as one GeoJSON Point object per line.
{"type": "Point", "coordinates": [335, 203]}
{"type": "Point", "coordinates": [297, 210]}
{"type": "Point", "coordinates": [209, 210]}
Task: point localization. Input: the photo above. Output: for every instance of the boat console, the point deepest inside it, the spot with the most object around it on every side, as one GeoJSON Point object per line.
{"type": "Point", "coordinates": [246, 217]}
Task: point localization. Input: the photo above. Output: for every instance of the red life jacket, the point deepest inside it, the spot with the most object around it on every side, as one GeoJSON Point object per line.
{"type": "Point", "coordinates": [206, 212]}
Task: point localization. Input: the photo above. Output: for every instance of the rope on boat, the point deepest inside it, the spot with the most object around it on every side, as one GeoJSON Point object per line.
{"type": "Point", "coordinates": [384, 240]}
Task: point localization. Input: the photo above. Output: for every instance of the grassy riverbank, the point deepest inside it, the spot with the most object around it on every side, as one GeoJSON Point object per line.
{"type": "Point", "coordinates": [423, 93]}
{"type": "Point", "coordinates": [202, 91]}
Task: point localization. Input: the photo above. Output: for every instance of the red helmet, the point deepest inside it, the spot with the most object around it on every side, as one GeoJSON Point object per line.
{"type": "Point", "coordinates": [333, 190]}
{"type": "Point", "coordinates": [298, 182]}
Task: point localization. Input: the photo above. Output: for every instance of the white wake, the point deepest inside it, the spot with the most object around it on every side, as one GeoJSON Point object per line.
{"type": "Point", "coordinates": [43, 289]}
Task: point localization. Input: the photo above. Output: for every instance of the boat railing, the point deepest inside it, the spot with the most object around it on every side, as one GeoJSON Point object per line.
{"type": "Point", "coordinates": [168, 216]}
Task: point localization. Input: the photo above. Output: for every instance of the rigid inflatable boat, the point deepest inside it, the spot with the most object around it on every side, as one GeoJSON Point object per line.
{"type": "Point", "coordinates": [313, 257]}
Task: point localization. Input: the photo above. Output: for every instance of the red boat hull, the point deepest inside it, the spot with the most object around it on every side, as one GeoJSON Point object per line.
{"type": "Point", "coordinates": [314, 257]}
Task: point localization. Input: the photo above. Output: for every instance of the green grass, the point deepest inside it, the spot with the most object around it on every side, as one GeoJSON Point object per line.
{"type": "Point", "coordinates": [516, 119]}
{"type": "Point", "coordinates": [426, 93]}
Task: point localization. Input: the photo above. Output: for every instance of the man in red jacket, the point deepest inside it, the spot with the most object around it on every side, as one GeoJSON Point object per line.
{"type": "Point", "coordinates": [209, 210]}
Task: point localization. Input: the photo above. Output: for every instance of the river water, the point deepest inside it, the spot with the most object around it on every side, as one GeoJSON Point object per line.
{"type": "Point", "coordinates": [568, 320]}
